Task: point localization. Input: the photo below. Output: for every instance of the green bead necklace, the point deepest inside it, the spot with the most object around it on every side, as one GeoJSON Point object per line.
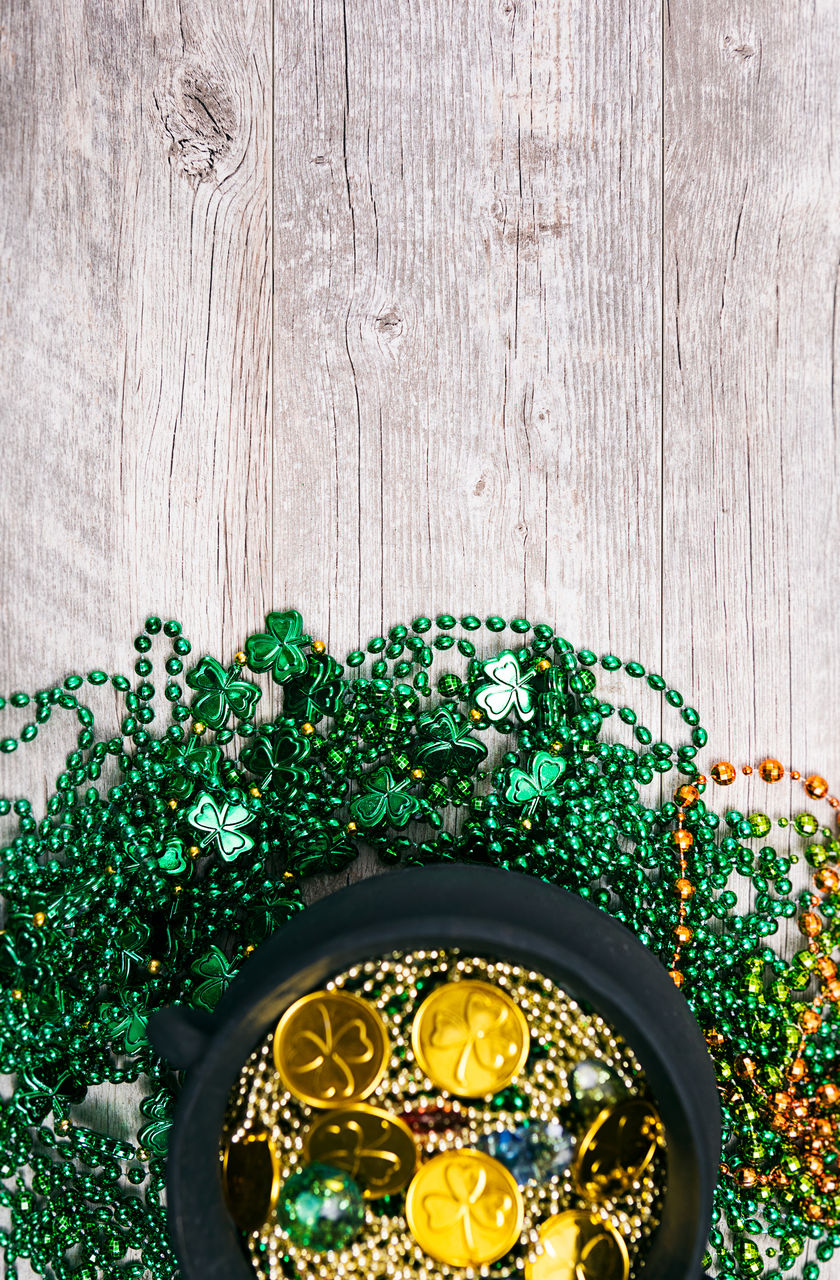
{"type": "Point", "coordinates": [169, 851]}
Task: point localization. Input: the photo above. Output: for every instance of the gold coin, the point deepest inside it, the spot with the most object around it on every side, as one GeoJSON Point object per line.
{"type": "Point", "coordinates": [577, 1245]}
{"type": "Point", "coordinates": [375, 1148]}
{"type": "Point", "coordinates": [464, 1208]}
{"type": "Point", "coordinates": [331, 1048]}
{"type": "Point", "coordinates": [617, 1149]}
{"type": "Point", "coordinates": [470, 1038]}
{"type": "Point", "coordinates": [251, 1180]}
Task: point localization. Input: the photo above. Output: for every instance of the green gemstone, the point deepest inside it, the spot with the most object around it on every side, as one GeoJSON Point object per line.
{"type": "Point", "coordinates": [320, 1208]}
{"type": "Point", "coordinates": [594, 1086]}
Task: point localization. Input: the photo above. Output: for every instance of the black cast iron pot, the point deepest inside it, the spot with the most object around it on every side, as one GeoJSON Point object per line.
{"type": "Point", "coordinates": [499, 914]}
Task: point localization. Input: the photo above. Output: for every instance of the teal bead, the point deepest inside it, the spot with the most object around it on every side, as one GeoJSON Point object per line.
{"type": "Point", "coordinates": [320, 1208]}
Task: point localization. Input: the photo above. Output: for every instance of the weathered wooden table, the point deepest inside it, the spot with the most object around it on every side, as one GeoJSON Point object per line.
{"type": "Point", "coordinates": [375, 307]}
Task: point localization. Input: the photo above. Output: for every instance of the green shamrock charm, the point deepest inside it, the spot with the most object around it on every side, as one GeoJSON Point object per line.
{"type": "Point", "coordinates": [189, 760]}
{"type": "Point", "coordinates": [384, 800]}
{"type": "Point", "coordinates": [221, 825]}
{"type": "Point", "coordinates": [280, 647]}
{"type": "Point", "coordinates": [317, 694]}
{"type": "Point", "coordinates": [538, 783]}
{"type": "Point", "coordinates": [216, 971]}
{"type": "Point", "coordinates": [446, 744]}
{"type": "Point", "coordinates": [220, 692]}
{"type": "Point", "coordinates": [173, 861]}
{"type": "Point", "coordinates": [154, 1136]}
{"type": "Point", "coordinates": [508, 689]}
{"type": "Point", "coordinates": [275, 758]}
{"type": "Point", "coordinates": [128, 1024]}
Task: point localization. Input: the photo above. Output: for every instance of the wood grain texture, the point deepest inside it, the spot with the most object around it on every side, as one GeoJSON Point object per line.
{"type": "Point", "coordinates": [750, 439]}
{"type": "Point", "coordinates": [375, 308]}
{"type": "Point", "coordinates": [467, 313]}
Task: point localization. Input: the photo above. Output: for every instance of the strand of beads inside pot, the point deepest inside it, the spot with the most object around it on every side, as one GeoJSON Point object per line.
{"type": "Point", "coordinates": [438, 1114]}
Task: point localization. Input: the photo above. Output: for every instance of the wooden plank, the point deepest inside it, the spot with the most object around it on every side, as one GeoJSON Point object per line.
{"type": "Point", "coordinates": [136, 326]}
{"type": "Point", "coordinates": [467, 315]}
{"type": "Point", "coordinates": [752, 245]}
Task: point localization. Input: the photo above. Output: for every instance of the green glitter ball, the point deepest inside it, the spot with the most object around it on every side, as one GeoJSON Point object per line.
{"type": "Point", "coordinates": [320, 1208]}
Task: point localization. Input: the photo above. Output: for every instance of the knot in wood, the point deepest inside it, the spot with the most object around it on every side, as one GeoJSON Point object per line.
{"type": "Point", "coordinates": [199, 118]}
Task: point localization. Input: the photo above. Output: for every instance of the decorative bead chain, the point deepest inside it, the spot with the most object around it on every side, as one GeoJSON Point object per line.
{"type": "Point", "coordinates": [154, 887]}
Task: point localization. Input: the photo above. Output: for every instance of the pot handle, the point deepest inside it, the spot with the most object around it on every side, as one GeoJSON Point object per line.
{"type": "Point", "coordinates": [181, 1035]}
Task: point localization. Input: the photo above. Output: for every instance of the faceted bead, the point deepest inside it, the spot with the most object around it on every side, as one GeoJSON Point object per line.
{"type": "Point", "coordinates": [806, 824]}
{"type": "Point", "coordinates": [594, 1086]}
{"type": "Point", "coordinates": [771, 770]}
{"type": "Point", "coordinates": [723, 773]}
{"type": "Point", "coordinates": [760, 824]}
{"type": "Point", "coordinates": [320, 1208]}
{"type": "Point", "coordinates": [816, 786]}
{"type": "Point", "coordinates": [532, 1153]}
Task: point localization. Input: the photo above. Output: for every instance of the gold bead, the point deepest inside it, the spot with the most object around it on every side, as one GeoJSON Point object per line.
{"type": "Point", "coordinates": [155, 966]}
{"type": "Point", "coordinates": [686, 795]}
{"type": "Point", "coordinates": [683, 934]}
{"type": "Point", "coordinates": [194, 851]}
{"type": "Point", "coordinates": [288, 875]}
{"type": "Point", "coordinates": [747, 770]}
{"type": "Point", "coordinates": [829, 1094]}
{"type": "Point", "coordinates": [254, 792]}
{"type": "Point", "coordinates": [543, 664]}
{"type": "Point", "coordinates": [771, 770]}
{"type": "Point", "coordinates": [798, 1069]}
{"type": "Point", "coordinates": [17, 994]}
{"type": "Point", "coordinates": [827, 880]}
{"type": "Point", "coordinates": [676, 977]}
{"type": "Point", "coordinates": [556, 747]}
{"type": "Point", "coordinates": [747, 1177]}
{"type": "Point", "coordinates": [475, 714]}
{"type": "Point", "coordinates": [526, 823]}
{"type": "Point", "coordinates": [199, 728]}
{"type": "Point", "coordinates": [810, 1021]}
{"type": "Point", "coordinates": [745, 1066]}
{"type": "Point", "coordinates": [307, 728]}
{"type": "Point", "coordinates": [351, 828]}
{"type": "Point", "coordinates": [816, 786]}
{"type": "Point", "coordinates": [417, 774]}
{"type": "Point", "coordinates": [172, 804]}
{"type": "Point", "coordinates": [112, 871]}
{"type": "Point", "coordinates": [683, 888]}
{"type": "Point", "coordinates": [827, 968]}
{"type": "Point", "coordinates": [178, 888]}
{"type": "Point", "coordinates": [240, 658]}
{"type": "Point", "coordinates": [39, 919]}
{"type": "Point", "coordinates": [682, 839]}
{"type": "Point", "coordinates": [723, 773]}
{"type": "Point", "coordinates": [250, 949]}
{"type": "Point", "coordinates": [318, 646]}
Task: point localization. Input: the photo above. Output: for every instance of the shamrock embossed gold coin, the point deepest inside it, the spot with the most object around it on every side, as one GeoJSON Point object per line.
{"type": "Point", "coordinates": [376, 1148]}
{"type": "Point", "coordinates": [464, 1208]}
{"type": "Point", "coordinates": [577, 1245]}
{"type": "Point", "coordinates": [330, 1048]}
{"type": "Point", "coordinates": [617, 1149]}
{"type": "Point", "coordinates": [251, 1180]}
{"type": "Point", "coordinates": [470, 1038]}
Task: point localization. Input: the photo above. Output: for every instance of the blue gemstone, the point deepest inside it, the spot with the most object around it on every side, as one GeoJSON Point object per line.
{"type": "Point", "coordinates": [532, 1153]}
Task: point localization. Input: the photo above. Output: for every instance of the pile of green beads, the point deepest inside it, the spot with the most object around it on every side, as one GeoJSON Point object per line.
{"type": "Point", "coordinates": [170, 849]}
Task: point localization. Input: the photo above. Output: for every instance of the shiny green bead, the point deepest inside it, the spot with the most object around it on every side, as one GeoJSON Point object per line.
{"type": "Point", "coordinates": [320, 1208]}
{"type": "Point", "coordinates": [495, 623]}
{"type": "Point", "coordinates": [421, 625]}
{"type": "Point", "coordinates": [356, 658]}
{"type": "Point", "coordinates": [806, 824]}
{"type": "Point", "coordinates": [760, 824]}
